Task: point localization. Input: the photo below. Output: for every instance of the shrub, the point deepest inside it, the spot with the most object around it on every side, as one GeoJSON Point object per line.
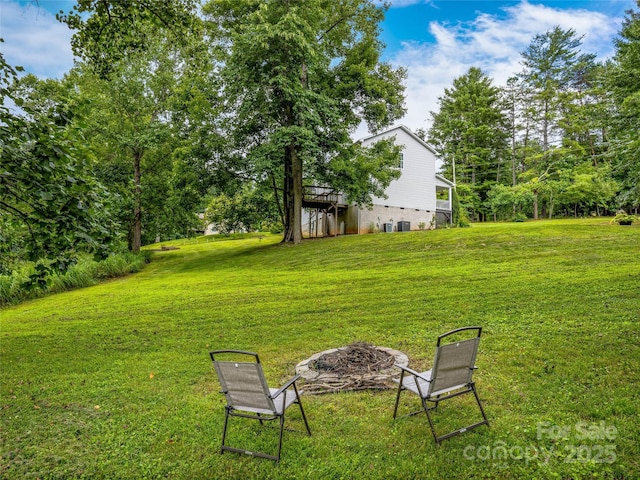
{"type": "Point", "coordinates": [623, 218]}
{"type": "Point", "coordinates": [18, 286]}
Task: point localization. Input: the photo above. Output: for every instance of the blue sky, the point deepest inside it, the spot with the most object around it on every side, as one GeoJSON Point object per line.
{"type": "Point", "coordinates": [436, 40]}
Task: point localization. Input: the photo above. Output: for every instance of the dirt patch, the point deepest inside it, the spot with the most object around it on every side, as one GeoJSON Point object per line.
{"type": "Point", "coordinates": [164, 249]}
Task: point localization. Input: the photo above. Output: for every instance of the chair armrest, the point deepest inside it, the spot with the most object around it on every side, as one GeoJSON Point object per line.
{"type": "Point", "coordinates": [412, 372]}
{"type": "Point", "coordinates": [286, 386]}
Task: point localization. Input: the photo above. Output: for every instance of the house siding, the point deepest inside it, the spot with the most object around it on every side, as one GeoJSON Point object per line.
{"type": "Point", "coordinates": [373, 220]}
{"type": "Point", "coordinates": [416, 187]}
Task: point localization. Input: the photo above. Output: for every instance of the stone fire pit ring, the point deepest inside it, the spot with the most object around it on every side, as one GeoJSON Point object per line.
{"type": "Point", "coordinates": [317, 382]}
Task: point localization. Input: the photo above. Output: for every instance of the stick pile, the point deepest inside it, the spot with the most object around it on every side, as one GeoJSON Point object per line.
{"type": "Point", "coordinates": [354, 367]}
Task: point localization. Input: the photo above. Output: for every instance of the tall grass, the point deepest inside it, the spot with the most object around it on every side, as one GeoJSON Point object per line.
{"type": "Point", "coordinates": [114, 381]}
{"type": "Point", "coordinates": [86, 272]}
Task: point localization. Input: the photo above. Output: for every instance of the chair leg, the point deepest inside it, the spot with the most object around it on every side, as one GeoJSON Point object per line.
{"type": "Point", "coordinates": [224, 429]}
{"type": "Point", "coordinates": [280, 438]}
{"type": "Point", "coordinates": [475, 393]}
{"type": "Point", "coordinates": [431, 425]}
{"type": "Point", "coordinates": [299, 402]}
{"type": "Point", "coordinates": [395, 408]}
{"type": "Point", "coordinates": [484, 421]}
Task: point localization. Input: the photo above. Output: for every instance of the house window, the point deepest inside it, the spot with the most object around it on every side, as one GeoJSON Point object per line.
{"type": "Point", "coordinates": [401, 161]}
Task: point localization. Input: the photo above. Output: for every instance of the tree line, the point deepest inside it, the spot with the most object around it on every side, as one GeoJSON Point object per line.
{"type": "Point", "coordinates": [560, 138]}
{"type": "Point", "coordinates": [236, 105]}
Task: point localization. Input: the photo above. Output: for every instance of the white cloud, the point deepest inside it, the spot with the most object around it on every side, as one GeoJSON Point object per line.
{"type": "Point", "coordinates": [35, 40]}
{"type": "Point", "coordinates": [492, 43]}
{"type": "Point", "coordinates": [404, 3]}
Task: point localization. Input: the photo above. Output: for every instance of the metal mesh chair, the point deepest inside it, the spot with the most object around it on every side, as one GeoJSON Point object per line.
{"type": "Point", "coordinates": [450, 377]}
{"type": "Point", "coordinates": [248, 395]}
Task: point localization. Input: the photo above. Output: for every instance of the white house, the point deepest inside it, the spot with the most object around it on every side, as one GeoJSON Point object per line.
{"type": "Point", "coordinates": [417, 200]}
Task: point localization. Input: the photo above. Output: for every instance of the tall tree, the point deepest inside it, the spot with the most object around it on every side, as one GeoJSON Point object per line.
{"type": "Point", "coordinates": [139, 148]}
{"type": "Point", "coordinates": [300, 76]}
{"type": "Point", "coordinates": [556, 75]}
{"type": "Point", "coordinates": [551, 64]}
{"type": "Point", "coordinates": [153, 73]}
{"type": "Point", "coordinates": [623, 76]}
{"type": "Point", "coordinates": [470, 131]}
{"type": "Point", "coordinates": [512, 105]}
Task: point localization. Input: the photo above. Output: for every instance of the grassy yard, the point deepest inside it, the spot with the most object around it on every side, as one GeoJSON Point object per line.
{"type": "Point", "coordinates": [114, 381]}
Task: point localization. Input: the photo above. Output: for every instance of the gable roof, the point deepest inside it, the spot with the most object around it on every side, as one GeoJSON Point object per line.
{"type": "Point", "coordinates": [408, 132]}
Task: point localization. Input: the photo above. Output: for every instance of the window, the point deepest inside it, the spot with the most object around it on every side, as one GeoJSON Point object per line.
{"type": "Point", "coordinates": [401, 161]}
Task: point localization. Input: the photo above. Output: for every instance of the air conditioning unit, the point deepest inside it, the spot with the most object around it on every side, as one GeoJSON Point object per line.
{"type": "Point", "coordinates": [404, 226]}
{"type": "Point", "coordinates": [387, 227]}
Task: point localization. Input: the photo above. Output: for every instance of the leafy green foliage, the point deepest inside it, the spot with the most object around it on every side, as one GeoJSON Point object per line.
{"type": "Point", "coordinates": [623, 79]}
{"type": "Point", "coordinates": [15, 286]}
{"type": "Point", "coordinates": [108, 32]}
{"type": "Point", "coordinates": [249, 210]}
{"type": "Point", "coordinates": [365, 171]}
{"type": "Point", "coordinates": [504, 201]}
{"type": "Point", "coordinates": [51, 204]}
{"type": "Point", "coordinates": [142, 156]}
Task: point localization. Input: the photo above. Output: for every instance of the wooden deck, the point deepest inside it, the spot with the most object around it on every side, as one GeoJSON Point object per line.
{"type": "Point", "coordinates": [323, 198]}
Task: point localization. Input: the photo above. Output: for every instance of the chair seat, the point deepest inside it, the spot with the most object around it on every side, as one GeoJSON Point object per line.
{"type": "Point", "coordinates": [279, 401]}
{"type": "Point", "coordinates": [409, 382]}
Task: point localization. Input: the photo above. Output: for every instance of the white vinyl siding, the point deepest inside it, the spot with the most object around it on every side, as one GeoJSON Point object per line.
{"type": "Point", "coordinates": [416, 187]}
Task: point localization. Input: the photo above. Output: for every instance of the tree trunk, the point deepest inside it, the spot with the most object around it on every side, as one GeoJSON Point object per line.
{"type": "Point", "coordinates": [513, 146]}
{"type": "Point", "coordinates": [293, 178]}
{"type": "Point", "coordinates": [287, 197]}
{"type": "Point", "coordinates": [292, 196]}
{"type": "Point", "coordinates": [296, 161]}
{"type": "Point", "coordinates": [277, 197]}
{"type": "Point", "coordinates": [535, 205]}
{"type": "Point", "coordinates": [136, 240]}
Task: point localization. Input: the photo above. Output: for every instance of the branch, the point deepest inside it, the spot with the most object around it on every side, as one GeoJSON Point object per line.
{"type": "Point", "coordinates": [343, 19]}
{"type": "Point", "coordinates": [24, 216]}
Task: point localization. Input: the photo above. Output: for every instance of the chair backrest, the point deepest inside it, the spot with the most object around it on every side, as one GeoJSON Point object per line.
{"type": "Point", "coordinates": [243, 382]}
{"type": "Point", "coordinates": [454, 362]}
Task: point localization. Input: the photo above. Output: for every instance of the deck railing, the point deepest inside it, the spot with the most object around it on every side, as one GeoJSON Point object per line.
{"type": "Point", "coordinates": [322, 194]}
{"type": "Point", "coordinates": [443, 204]}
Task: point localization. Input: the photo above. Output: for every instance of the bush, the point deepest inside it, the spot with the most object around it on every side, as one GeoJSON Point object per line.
{"type": "Point", "coordinates": [623, 218]}
{"type": "Point", "coordinates": [13, 287]}
{"type": "Point", "coordinates": [18, 286]}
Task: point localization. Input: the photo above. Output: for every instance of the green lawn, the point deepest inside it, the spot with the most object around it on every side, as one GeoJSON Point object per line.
{"type": "Point", "coordinates": [114, 381]}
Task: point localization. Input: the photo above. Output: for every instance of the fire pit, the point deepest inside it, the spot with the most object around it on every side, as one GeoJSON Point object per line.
{"type": "Point", "coordinates": [358, 366]}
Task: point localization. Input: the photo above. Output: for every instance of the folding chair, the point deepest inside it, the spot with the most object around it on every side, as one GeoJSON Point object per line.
{"type": "Point", "coordinates": [450, 377]}
{"type": "Point", "coordinates": [248, 395]}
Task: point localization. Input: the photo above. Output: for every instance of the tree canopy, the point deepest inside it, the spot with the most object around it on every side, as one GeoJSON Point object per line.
{"type": "Point", "coordinates": [298, 78]}
{"type": "Point", "coordinates": [565, 128]}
